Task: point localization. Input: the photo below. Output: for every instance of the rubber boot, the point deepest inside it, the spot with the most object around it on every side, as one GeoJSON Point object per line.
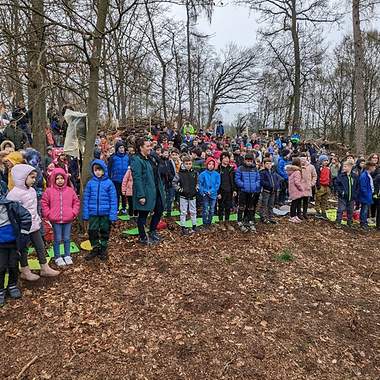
{"type": "Point", "coordinates": [103, 255]}
{"type": "Point", "coordinates": [94, 253]}
{"type": "Point", "coordinates": [46, 271]}
{"type": "Point", "coordinates": [27, 274]}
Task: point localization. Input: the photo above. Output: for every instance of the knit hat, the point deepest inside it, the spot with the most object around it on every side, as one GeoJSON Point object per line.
{"type": "Point", "coordinates": [323, 157]}
{"type": "Point", "coordinates": [249, 156]}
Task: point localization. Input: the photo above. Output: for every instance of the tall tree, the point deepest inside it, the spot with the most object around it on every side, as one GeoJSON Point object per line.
{"type": "Point", "coordinates": [360, 131]}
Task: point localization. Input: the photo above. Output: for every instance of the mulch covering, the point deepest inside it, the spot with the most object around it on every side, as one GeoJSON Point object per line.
{"type": "Point", "coordinates": [290, 302]}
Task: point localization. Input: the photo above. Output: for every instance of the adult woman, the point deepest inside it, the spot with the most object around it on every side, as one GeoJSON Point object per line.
{"type": "Point", "coordinates": [148, 192]}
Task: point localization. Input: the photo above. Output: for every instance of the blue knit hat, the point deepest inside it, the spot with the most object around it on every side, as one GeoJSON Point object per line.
{"type": "Point", "coordinates": [323, 157]}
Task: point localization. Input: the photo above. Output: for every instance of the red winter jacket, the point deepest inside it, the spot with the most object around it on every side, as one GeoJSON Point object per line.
{"type": "Point", "coordinates": [60, 204]}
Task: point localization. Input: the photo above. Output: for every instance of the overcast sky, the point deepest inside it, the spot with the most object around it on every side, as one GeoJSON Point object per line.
{"type": "Point", "coordinates": [232, 23]}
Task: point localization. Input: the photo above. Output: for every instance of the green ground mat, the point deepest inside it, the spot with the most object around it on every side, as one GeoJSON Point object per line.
{"type": "Point", "coordinates": [73, 249]}
{"type": "Point", "coordinates": [331, 215]}
{"type": "Point", "coordinates": [35, 265]}
{"type": "Point", "coordinates": [174, 213]}
{"type": "Point", "coordinates": [131, 232]}
{"type": "Point", "coordinates": [124, 218]}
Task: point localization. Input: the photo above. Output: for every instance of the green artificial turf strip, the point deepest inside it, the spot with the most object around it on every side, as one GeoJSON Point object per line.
{"type": "Point", "coordinates": [131, 232]}
{"type": "Point", "coordinates": [124, 218]}
{"type": "Point", "coordinates": [174, 213]}
{"type": "Point", "coordinates": [215, 219]}
{"type": "Point", "coordinates": [35, 265]}
{"type": "Point", "coordinates": [73, 249]}
{"type": "Point", "coordinates": [331, 215]}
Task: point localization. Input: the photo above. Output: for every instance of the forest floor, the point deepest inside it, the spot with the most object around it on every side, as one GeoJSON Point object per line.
{"type": "Point", "coordinates": [290, 302]}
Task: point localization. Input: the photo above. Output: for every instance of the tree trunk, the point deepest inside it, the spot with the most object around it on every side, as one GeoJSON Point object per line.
{"type": "Point", "coordinates": [37, 76]}
{"type": "Point", "coordinates": [189, 68]}
{"type": "Point", "coordinates": [297, 71]}
{"type": "Point", "coordinates": [93, 89]}
{"type": "Point", "coordinates": [359, 79]}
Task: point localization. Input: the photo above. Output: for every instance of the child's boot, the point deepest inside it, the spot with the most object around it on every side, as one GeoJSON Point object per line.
{"type": "Point", "coordinates": [103, 255]}
{"type": "Point", "coordinates": [46, 271]}
{"type": "Point", "coordinates": [13, 291]}
{"type": "Point", "coordinates": [27, 274]}
{"type": "Point", "coordinates": [2, 297]}
{"type": "Point", "coordinates": [95, 252]}
{"type": "Point", "coordinates": [184, 231]}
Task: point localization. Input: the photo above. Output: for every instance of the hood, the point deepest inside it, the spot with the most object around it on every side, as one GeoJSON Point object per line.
{"type": "Point", "coordinates": [209, 159]}
{"type": "Point", "coordinates": [292, 168]}
{"type": "Point", "coordinates": [103, 165]}
{"type": "Point", "coordinates": [32, 157]}
{"type": "Point", "coordinates": [119, 144]}
{"type": "Point", "coordinates": [54, 174]}
{"type": "Point", "coordinates": [20, 173]}
{"type": "Point", "coordinates": [6, 142]}
{"type": "Point", "coordinates": [15, 157]}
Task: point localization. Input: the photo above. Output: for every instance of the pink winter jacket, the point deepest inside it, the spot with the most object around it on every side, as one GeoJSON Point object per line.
{"type": "Point", "coordinates": [296, 190]}
{"type": "Point", "coordinates": [309, 177]}
{"type": "Point", "coordinates": [60, 204]}
{"type": "Point", "coordinates": [27, 196]}
{"type": "Point", "coordinates": [127, 184]}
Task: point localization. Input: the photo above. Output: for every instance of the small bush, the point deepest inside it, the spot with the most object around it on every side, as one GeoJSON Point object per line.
{"type": "Point", "coordinates": [285, 256]}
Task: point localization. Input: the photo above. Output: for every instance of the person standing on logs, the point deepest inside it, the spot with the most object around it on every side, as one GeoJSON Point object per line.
{"type": "Point", "coordinates": [148, 191]}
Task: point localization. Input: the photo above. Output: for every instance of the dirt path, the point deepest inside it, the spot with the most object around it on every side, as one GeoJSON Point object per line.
{"type": "Point", "coordinates": [219, 305]}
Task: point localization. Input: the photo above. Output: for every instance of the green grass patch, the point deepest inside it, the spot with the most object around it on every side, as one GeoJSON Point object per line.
{"type": "Point", "coordinates": [285, 256]}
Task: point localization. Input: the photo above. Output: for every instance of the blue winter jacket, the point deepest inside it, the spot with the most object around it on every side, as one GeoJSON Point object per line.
{"type": "Point", "coordinates": [99, 197]}
{"type": "Point", "coordinates": [209, 183]}
{"type": "Point", "coordinates": [270, 181]}
{"type": "Point", "coordinates": [247, 179]}
{"type": "Point", "coordinates": [118, 164]}
{"type": "Point", "coordinates": [15, 223]}
{"type": "Point", "coordinates": [365, 188]}
{"type": "Point", "coordinates": [347, 187]}
{"type": "Point", "coordinates": [281, 167]}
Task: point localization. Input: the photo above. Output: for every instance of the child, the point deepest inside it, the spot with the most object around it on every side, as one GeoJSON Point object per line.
{"type": "Point", "coordinates": [167, 172]}
{"type": "Point", "coordinates": [209, 183]}
{"type": "Point", "coordinates": [24, 177]}
{"type": "Point", "coordinates": [346, 185]}
{"type": "Point", "coordinates": [100, 209]}
{"type": "Point", "coordinates": [324, 181]}
{"type": "Point", "coordinates": [117, 167]}
{"type": "Point", "coordinates": [15, 221]}
{"type": "Point", "coordinates": [309, 179]}
{"type": "Point", "coordinates": [335, 170]}
{"type": "Point", "coordinates": [185, 182]}
{"type": "Point", "coordinates": [296, 190]}
{"type": "Point", "coordinates": [226, 190]}
{"type": "Point", "coordinates": [127, 190]}
{"type": "Point", "coordinates": [366, 190]}
{"type": "Point", "coordinates": [60, 205]}
{"type": "Point", "coordinates": [247, 180]}
{"type": "Point", "coordinates": [270, 184]}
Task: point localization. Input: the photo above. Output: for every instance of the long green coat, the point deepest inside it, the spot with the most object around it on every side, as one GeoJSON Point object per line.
{"type": "Point", "coordinates": [143, 183]}
{"type": "Point", "coordinates": [16, 135]}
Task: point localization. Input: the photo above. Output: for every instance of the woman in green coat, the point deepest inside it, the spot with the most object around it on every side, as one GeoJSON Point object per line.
{"type": "Point", "coordinates": [148, 192]}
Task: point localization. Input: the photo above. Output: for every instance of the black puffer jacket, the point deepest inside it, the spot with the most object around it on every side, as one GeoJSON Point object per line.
{"type": "Point", "coordinates": [185, 182]}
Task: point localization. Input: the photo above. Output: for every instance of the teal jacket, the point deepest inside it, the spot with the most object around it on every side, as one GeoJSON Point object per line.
{"type": "Point", "coordinates": [143, 182]}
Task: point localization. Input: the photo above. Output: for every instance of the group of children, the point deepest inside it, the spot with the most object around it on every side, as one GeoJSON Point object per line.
{"type": "Point", "coordinates": [202, 176]}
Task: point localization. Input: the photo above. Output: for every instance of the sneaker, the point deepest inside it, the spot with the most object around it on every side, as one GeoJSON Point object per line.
{"type": "Point", "coordinates": [305, 217]}
{"type": "Point", "coordinates": [14, 292]}
{"type": "Point", "coordinates": [299, 220]}
{"type": "Point", "coordinates": [154, 237]}
{"type": "Point", "coordinates": [144, 240]}
{"type": "Point", "coordinates": [271, 221]}
{"type": "Point", "coordinates": [324, 216]}
{"type": "Point", "coordinates": [223, 227]}
{"type": "Point", "coordinates": [338, 225]}
{"type": "Point", "coordinates": [185, 231]}
{"type": "Point", "coordinates": [294, 220]}
{"type": "Point", "coordinates": [194, 229]}
{"type": "Point", "coordinates": [92, 254]}
{"type": "Point", "coordinates": [364, 227]}
{"type": "Point", "coordinates": [124, 211]}
{"type": "Point", "coordinates": [68, 260]}
{"type": "Point", "coordinates": [252, 227]}
{"type": "Point", "coordinates": [60, 262]}
{"type": "Point", "coordinates": [2, 297]}
{"type": "Point", "coordinates": [318, 215]}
